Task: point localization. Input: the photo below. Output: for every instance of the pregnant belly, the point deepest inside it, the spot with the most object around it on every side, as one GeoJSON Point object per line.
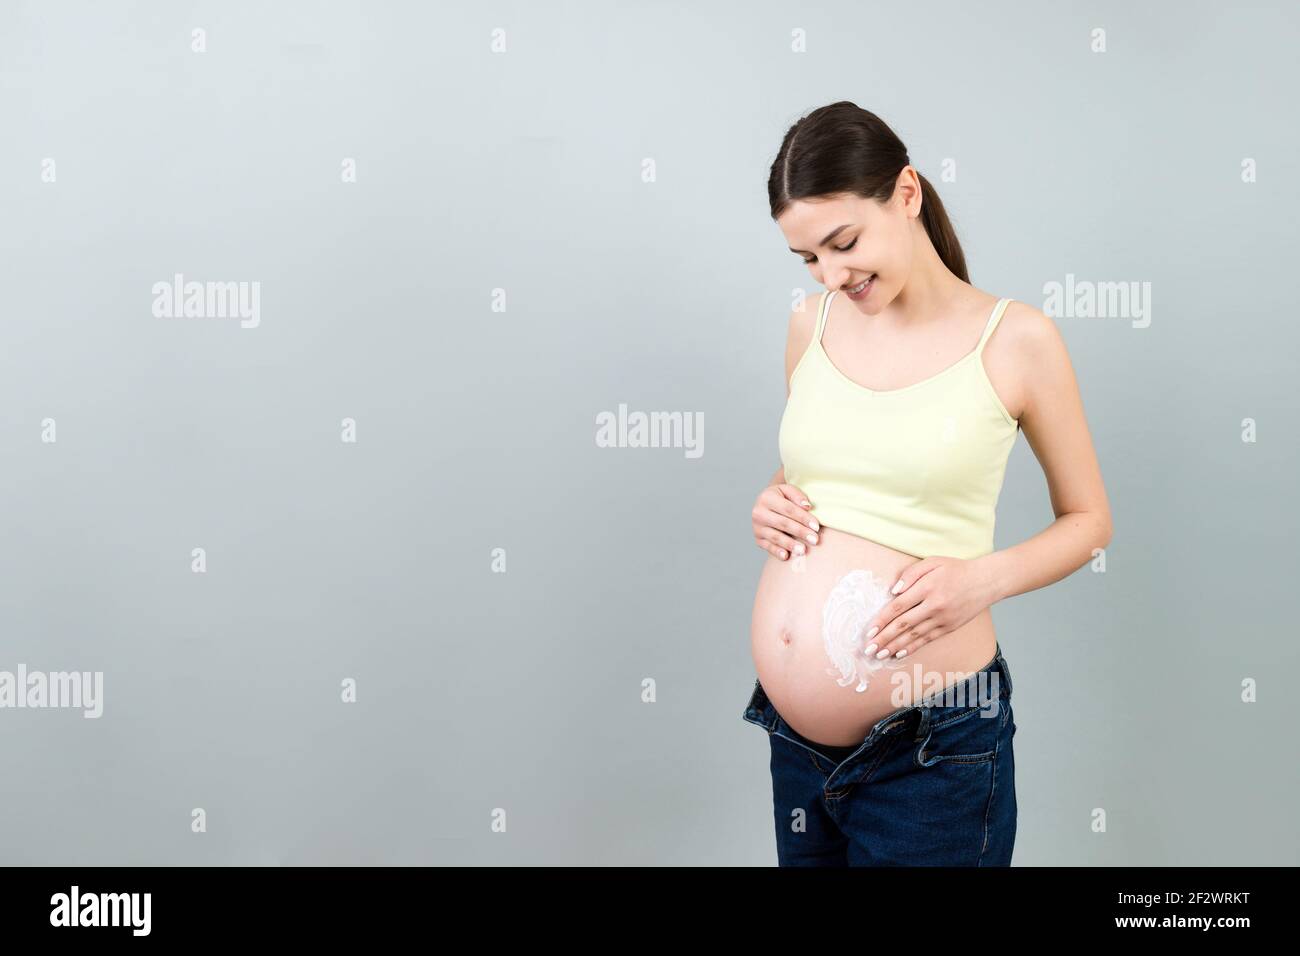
{"type": "Point", "coordinates": [810, 615]}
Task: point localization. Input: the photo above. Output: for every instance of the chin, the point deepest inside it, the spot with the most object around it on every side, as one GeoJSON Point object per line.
{"type": "Point", "coordinates": [875, 303]}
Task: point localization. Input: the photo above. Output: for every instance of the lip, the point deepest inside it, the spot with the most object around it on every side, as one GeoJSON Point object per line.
{"type": "Point", "coordinates": [871, 284]}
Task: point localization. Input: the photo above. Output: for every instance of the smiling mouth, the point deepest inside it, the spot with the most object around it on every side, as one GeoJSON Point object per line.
{"type": "Point", "coordinates": [858, 288]}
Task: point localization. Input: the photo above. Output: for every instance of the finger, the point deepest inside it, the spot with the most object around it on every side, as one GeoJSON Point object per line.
{"type": "Point", "coordinates": [911, 574]}
{"type": "Point", "coordinates": [782, 541]}
{"type": "Point", "coordinates": [917, 644]}
{"type": "Point", "coordinates": [915, 639]}
{"type": "Point", "coordinates": [783, 505]}
{"type": "Point", "coordinates": [879, 632]}
{"type": "Point", "coordinates": [795, 495]}
{"type": "Point", "coordinates": [899, 633]}
{"type": "Point", "coordinates": [795, 529]}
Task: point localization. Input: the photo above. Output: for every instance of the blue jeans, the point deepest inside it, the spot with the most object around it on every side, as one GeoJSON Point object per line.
{"type": "Point", "coordinates": [930, 785]}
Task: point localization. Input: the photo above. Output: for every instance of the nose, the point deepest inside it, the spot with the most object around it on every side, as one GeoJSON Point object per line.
{"type": "Point", "coordinates": [836, 278]}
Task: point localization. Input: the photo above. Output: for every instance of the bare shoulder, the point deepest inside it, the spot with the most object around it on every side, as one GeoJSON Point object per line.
{"type": "Point", "coordinates": [1024, 350]}
{"type": "Point", "coordinates": [799, 334]}
{"type": "Point", "coordinates": [1028, 325]}
{"type": "Point", "coordinates": [803, 318]}
{"type": "Point", "coordinates": [1030, 339]}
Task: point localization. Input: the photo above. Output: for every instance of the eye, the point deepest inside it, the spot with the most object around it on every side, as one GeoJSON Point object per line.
{"type": "Point", "coordinates": [809, 262]}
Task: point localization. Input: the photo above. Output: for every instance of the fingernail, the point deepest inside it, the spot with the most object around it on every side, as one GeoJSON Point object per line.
{"type": "Point", "coordinates": [872, 633]}
{"type": "Point", "coordinates": [897, 587]}
{"type": "Point", "coordinates": [815, 525]}
{"type": "Point", "coordinates": [812, 538]}
{"type": "Point", "coordinates": [883, 653]}
{"type": "Point", "coordinates": [806, 505]}
{"type": "Point", "coordinates": [798, 549]}
{"type": "Point", "coordinates": [870, 647]}
{"type": "Point", "coordinates": [902, 653]}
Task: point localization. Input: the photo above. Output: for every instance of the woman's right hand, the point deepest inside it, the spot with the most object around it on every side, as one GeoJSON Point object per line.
{"type": "Point", "coordinates": [782, 522]}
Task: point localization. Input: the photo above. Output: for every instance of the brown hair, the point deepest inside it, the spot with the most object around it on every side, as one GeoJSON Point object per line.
{"type": "Point", "coordinates": [842, 148]}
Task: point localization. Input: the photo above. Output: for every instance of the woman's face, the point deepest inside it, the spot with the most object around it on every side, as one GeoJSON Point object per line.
{"type": "Point", "coordinates": [846, 240]}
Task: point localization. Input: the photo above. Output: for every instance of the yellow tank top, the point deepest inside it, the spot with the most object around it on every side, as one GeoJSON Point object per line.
{"type": "Point", "coordinates": [917, 469]}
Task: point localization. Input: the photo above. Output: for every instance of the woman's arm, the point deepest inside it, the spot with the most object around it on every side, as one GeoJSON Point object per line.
{"type": "Point", "coordinates": [798, 337]}
{"type": "Point", "coordinates": [780, 519]}
{"type": "Point", "coordinates": [1056, 429]}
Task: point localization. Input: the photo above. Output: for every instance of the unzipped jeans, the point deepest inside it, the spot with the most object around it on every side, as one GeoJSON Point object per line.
{"type": "Point", "coordinates": [932, 784]}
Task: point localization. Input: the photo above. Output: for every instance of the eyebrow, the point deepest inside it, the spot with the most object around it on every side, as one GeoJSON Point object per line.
{"type": "Point", "coordinates": [825, 242]}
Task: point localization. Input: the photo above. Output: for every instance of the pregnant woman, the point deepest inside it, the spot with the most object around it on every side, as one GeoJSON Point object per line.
{"type": "Point", "coordinates": [881, 684]}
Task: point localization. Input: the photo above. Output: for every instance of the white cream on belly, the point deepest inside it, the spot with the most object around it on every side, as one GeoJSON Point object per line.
{"type": "Point", "coordinates": [854, 600]}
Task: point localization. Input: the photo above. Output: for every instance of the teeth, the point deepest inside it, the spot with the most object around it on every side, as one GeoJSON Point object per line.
{"type": "Point", "coordinates": [858, 288]}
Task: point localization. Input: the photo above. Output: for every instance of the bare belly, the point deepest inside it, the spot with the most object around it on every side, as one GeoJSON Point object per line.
{"type": "Point", "coordinates": [802, 653]}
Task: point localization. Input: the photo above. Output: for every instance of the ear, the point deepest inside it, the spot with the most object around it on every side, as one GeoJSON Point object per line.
{"type": "Point", "coordinates": [909, 191]}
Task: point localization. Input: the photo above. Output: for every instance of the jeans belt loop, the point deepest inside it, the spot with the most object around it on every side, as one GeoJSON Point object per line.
{"type": "Point", "coordinates": [923, 728]}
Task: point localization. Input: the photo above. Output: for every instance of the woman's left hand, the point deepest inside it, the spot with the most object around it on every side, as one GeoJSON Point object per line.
{"type": "Point", "coordinates": [936, 596]}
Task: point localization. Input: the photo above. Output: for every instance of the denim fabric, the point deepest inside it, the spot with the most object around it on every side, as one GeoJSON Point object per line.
{"type": "Point", "coordinates": [930, 785]}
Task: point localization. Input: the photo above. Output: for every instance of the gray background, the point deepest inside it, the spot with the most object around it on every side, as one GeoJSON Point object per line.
{"type": "Point", "coordinates": [522, 171]}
